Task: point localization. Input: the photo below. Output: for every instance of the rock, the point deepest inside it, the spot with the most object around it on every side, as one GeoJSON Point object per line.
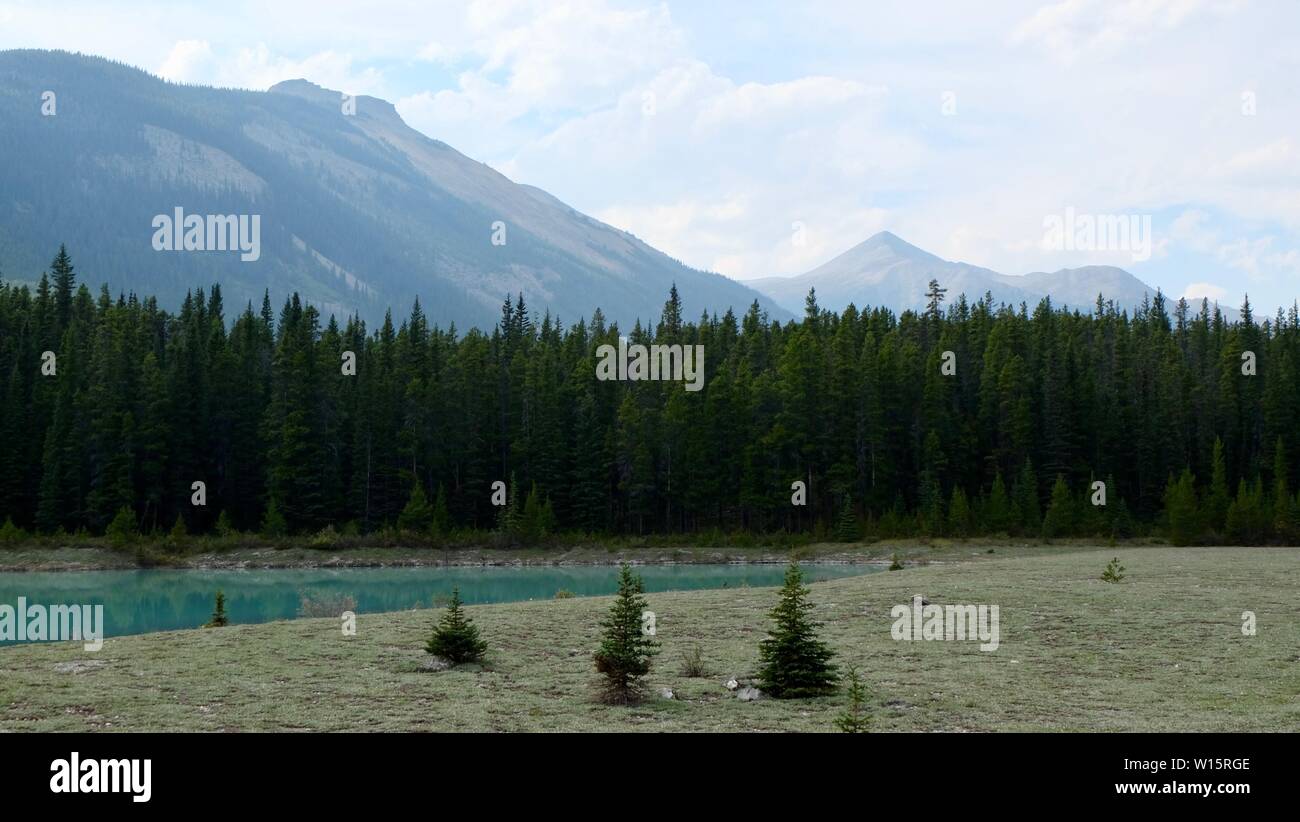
{"type": "Point", "coordinates": [78, 666]}
{"type": "Point", "coordinates": [749, 693]}
{"type": "Point", "coordinates": [666, 693]}
{"type": "Point", "coordinates": [436, 663]}
{"type": "Point", "coordinates": [732, 684]}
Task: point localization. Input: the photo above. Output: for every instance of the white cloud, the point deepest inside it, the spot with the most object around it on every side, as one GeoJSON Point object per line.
{"type": "Point", "coordinates": [1070, 28]}
{"type": "Point", "coordinates": [1198, 291]}
{"type": "Point", "coordinates": [188, 61]}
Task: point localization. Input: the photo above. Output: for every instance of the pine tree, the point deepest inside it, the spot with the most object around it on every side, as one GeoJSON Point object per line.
{"type": "Point", "coordinates": [1182, 510]}
{"type": "Point", "coordinates": [999, 516]}
{"type": "Point", "coordinates": [1247, 521]}
{"type": "Point", "coordinates": [847, 528]}
{"type": "Point", "coordinates": [417, 516]}
{"type": "Point", "coordinates": [456, 637]}
{"type": "Point", "coordinates": [273, 524]}
{"type": "Point", "coordinates": [122, 529]}
{"type": "Point", "coordinates": [64, 282]}
{"type": "Point", "coordinates": [1284, 513]}
{"type": "Point", "coordinates": [960, 521]}
{"type": "Point", "coordinates": [441, 513]}
{"type": "Point", "coordinates": [533, 524]}
{"type": "Point", "coordinates": [225, 527]}
{"type": "Point", "coordinates": [625, 650]}
{"type": "Point", "coordinates": [1060, 518]}
{"type": "Point", "coordinates": [219, 619]}
{"type": "Point", "coordinates": [1216, 505]}
{"type": "Point", "coordinates": [795, 663]}
{"type": "Point", "coordinates": [1025, 494]}
{"type": "Point", "coordinates": [855, 719]}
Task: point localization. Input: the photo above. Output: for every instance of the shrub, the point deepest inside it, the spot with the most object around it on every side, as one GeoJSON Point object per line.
{"type": "Point", "coordinates": [456, 638]}
{"type": "Point", "coordinates": [795, 663]}
{"type": "Point", "coordinates": [693, 663]}
{"type": "Point", "coordinates": [895, 564]}
{"type": "Point", "coordinates": [855, 719]}
{"type": "Point", "coordinates": [10, 533]}
{"type": "Point", "coordinates": [625, 651]}
{"type": "Point", "coordinates": [564, 593]}
{"type": "Point", "coordinates": [1114, 571]}
{"type": "Point", "coordinates": [325, 538]}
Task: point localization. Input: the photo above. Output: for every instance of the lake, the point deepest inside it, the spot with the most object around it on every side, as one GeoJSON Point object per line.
{"type": "Point", "coordinates": [144, 601]}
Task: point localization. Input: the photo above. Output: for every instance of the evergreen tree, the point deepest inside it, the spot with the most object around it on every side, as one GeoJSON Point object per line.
{"type": "Point", "coordinates": [1060, 518]}
{"type": "Point", "coordinates": [219, 619]}
{"type": "Point", "coordinates": [846, 527]}
{"type": "Point", "coordinates": [625, 652]}
{"type": "Point", "coordinates": [1284, 524]}
{"type": "Point", "coordinates": [122, 529]}
{"type": "Point", "coordinates": [1182, 510]}
{"type": "Point", "coordinates": [456, 637]}
{"type": "Point", "coordinates": [795, 663]}
{"type": "Point", "coordinates": [273, 524]}
{"type": "Point", "coordinates": [855, 719]}
{"type": "Point", "coordinates": [960, 520]}
{"type": "Point", "coordinates": [1025, 494]}
{"type": "Point", "coordinates": [417, 516]}
{"type": "Point", "coordinates": [441, 513]}
{"type": "Point", "coordinates": [1216, 505]}
{"type": "Point", "coordinates": [999, 517]}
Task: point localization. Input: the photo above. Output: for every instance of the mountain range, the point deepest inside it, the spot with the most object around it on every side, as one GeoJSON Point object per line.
{"type": "Point", "coordinates": [360, 213]}
{"type": "Point", "coordinates": [886, 270]}
{"type": "Point", "coordinates": [357, 211]}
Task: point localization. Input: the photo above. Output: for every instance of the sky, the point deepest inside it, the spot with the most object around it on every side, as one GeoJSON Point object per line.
{"type": "Point", "coordinates": [764, 138]}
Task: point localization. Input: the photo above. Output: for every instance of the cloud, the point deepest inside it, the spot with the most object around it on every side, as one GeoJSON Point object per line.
{"type": "Point", "coordinates": [1070, 28]}
{"type": "Point", "coordinates": [258, 67]}
{"type": "Point", "coordinates": [188, 61]}
{"type": "Point", "coordinates": [1198, 291]}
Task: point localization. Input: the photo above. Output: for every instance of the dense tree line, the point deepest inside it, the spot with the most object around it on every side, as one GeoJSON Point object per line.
{"type": "Point", "coordinates": [856, 405]}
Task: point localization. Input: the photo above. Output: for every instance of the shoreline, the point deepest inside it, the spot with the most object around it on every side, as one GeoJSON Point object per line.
{"type": "Point", "coordinates": [45, 559]}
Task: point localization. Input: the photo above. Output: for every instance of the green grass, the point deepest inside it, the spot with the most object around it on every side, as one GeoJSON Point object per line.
{"type": "Point", "coordinates": [1162, 650]}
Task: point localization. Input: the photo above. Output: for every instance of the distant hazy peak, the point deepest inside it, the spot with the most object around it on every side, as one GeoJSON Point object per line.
{"type": "Point", "coordinates": [887, 241]}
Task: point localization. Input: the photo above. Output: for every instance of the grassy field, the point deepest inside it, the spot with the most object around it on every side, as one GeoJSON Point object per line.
{"type": "Point", "coordinates": [1161, 650]}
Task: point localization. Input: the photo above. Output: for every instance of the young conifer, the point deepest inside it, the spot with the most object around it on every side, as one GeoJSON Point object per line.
{"type": "Point", "coordinates": [456, 638]}
{"type": "Point", "coordinates": [795, 663]}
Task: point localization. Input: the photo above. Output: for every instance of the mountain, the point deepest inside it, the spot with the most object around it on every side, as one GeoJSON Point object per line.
{"type": "Point", "coordinates": [886, 270]}
{"type": "Point", "coordinates": [357, 211]}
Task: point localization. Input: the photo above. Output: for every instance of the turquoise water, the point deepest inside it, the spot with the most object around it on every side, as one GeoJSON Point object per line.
{"type": "Point", "coordinates": [139, 602]}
